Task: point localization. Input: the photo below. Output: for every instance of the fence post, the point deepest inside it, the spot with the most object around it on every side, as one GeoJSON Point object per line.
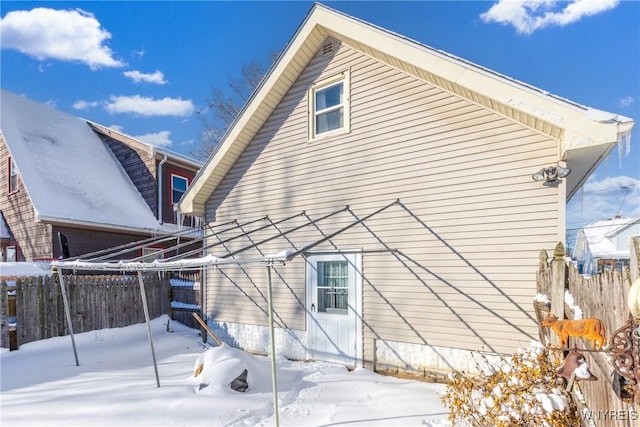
{"type": "Point", "coordinates": [542, 287]}
{"type": "Point", "coordinates": [4, 315]}
{"type": "Point", "coordinates": [558, 284]}
{"type": "Point", "coordinates": [634, 261]}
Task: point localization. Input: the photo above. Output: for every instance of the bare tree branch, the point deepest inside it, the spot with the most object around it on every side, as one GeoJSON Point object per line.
{"type": "Point", "coordinates": [223, 106]}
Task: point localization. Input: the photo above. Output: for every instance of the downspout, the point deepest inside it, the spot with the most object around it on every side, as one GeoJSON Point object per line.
{"type": "Point", "coordinates": [159, 178]}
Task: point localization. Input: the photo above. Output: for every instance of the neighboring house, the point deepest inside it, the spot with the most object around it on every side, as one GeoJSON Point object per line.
{"type": "Point", "coordinates": [161, 176]}
{"type": "Point", "coordinates": [7, 242]}
{"type": "Point", "coordinates": [605, 245]}
{"type": "Point", "coordinates": [353, 115]}
{"type": "Point", "coordinates": [71, 184]}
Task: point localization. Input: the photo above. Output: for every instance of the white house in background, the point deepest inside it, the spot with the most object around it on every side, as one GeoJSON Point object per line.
{"type": "Point", "coordinates": [350, 119]}
{"type": "Point", "coordinates": [605, 245]}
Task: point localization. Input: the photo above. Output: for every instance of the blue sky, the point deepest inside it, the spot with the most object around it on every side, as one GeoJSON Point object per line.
{"type": "Point", "coordinates": [147, 68]}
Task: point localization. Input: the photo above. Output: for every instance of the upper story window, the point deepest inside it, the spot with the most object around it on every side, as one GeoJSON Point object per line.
{"type": "Point", "coordinates": [13, 176]}
{"type": "Point", "coordinates": [329, 106]}
{"type": "Point", "coordinates": [150, 254]}
{"type": "Point", "coordinates": [179, 186]}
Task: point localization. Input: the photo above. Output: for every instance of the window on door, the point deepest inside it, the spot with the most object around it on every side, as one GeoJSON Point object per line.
{"type": "Point", "coordinates": [333, 287]}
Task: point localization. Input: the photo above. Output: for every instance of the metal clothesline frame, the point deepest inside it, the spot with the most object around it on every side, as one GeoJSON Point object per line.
{"type": "Point", "coordinates": [96, 261]}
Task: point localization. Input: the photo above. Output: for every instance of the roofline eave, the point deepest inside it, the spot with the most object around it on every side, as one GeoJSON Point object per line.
{"type": "Point", "coordinates": [569, 123]}
{"type": "Point", "coordinates": [97, 225]}
{"type": "Point", "coordinates": [152, 149]}
{"type": "Point", "coordinates": [199, 188]}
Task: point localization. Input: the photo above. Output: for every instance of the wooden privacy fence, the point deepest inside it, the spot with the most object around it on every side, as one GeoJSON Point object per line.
{"type": "Point", "coordinates": [95, 302]}
{"type": "Point", "coordinates": [606, 402]}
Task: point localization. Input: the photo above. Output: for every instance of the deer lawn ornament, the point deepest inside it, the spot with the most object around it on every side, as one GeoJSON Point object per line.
{"type": "Point", "coordinates": [589, 329]}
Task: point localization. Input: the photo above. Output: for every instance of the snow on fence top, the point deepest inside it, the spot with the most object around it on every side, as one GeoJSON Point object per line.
{"type": "Point", "coordinates": [24, 269]}
{"type": "Point", "coordinates": [183, 283]}
{"type": "Point", "coordinates": [184, 306]}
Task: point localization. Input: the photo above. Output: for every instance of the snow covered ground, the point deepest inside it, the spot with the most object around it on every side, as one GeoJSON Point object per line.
{"type": "Point", "coordinates": [115, 386]}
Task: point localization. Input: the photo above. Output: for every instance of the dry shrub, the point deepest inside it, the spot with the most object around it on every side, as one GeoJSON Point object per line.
{"type": "Point", "coordinates": [522, 390]}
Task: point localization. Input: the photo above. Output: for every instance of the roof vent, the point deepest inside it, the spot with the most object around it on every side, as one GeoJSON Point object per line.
{"type": "Point", "coordinates": [328, 48]}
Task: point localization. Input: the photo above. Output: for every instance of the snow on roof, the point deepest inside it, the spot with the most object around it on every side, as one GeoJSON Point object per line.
{"type": "Point", "coordinates": [68, 172]}
{"type": "Point", "coordinates": [22, 269]}
{"type": "Point", "coordinates": [598, 234]}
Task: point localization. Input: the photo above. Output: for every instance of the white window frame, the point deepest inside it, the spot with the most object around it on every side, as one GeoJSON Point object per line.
{"type": "Point", "coordinates": [175, 175]}
{"type": "Point", "coordinates": [344, 78]}
{"type": "Point", "coordinates": [11, 253]}
{"type": "Point", "coordinates": [335, 293]}
{"type": "Point", "coordinates": [13, 176]}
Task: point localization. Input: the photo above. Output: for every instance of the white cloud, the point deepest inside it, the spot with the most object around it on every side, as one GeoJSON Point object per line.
{"type": "Point", "coordinates": [627, 101]}
{"type": "Point", "coordinates": [527, 16]}
{"type": "Point", "coordinates": [156, 77]}
{"type": "Point", "coordinates": [604, 199]}
{"type": "Point", "coordinates": [117, 128]}
{"type": "Point", "coordinates": [66, 35]}
{"type": "Point", "coordinates": [160, 139]}
{"type": "Point", "coordinates": [43, 66]}
{"type": "Point", "coordinates": [149, 107]}
{"type": "Point", "coordinates": [84, 105]}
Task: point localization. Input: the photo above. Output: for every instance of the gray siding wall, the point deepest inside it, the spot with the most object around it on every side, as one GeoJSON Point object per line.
{"type": "Point", "coordinates": [140, 165]}
{"type": "Point", "coordinates": [468, 233]}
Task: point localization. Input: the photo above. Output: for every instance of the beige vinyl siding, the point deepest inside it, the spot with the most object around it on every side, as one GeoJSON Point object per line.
{"type": "Point", "coordinates": [466, 276]}
{"type": "Point", "coordinates": [242, 293]}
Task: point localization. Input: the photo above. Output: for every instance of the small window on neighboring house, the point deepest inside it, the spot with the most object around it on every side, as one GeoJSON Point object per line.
{"type": "Point", "coordinates": [11, 254]}
{"type": "Point", "coordinates": [329, 107]}
{"type": "Point", "coordinates": [13, 176]}
{"type": "Point", "coordinates": [179, 186]}
{"type": "Point", "coordinates": [151, 254]}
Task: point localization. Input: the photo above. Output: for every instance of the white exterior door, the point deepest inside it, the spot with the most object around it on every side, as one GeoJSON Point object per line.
{"type": "Point", "coordinates": [334, 294]}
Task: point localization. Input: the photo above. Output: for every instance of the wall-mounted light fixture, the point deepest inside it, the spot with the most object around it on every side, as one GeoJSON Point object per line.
{"type": "Point", "coordinates": [551, 174]}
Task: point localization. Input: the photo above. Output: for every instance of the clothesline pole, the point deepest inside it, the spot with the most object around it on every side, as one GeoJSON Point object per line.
{"type": "Point", "coordinates": [67, 313]}
{"type": "Point", "coordinates": [273, 350]}
{"type": "Point", "coordinates": [146, 316]}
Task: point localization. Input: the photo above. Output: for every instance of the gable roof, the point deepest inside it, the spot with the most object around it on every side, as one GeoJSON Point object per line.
{"type": "Point", "coordinates": [152, 149]}
{"type": "Point", "coordinates": [585, 135]}
{"type": "Point", "coordinates": [68, 172]}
